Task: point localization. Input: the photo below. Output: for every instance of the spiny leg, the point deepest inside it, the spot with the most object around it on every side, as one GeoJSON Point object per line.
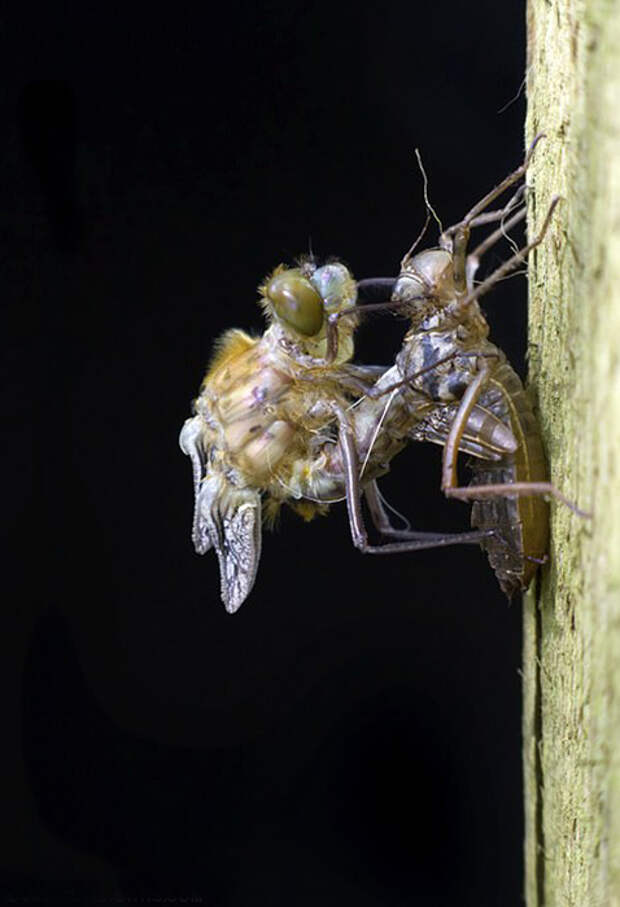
{"type": "Point", "coordinates": [494, 237]}
{"type": "Point", "coordinates": [356, 384]}
{"type": "Point", "coordinates": [465, 266]}
{"type": "Point", "coordinates": [383, 285]}
{"type": "Point", "coordinates": [356, 520]}
{"type": "Point", "coordinates": [457, 245]}
{"type": "Point", "coordinates": [456, 237]}
{"type": "Point", "coordinates": [386, 284]}
{"type": "Point", "coordinates": [473, 259]}
{"type": "Point", "coordinates": [511, 263]}
{"type": "Point", "coordinates": [496, 192]}
{"type": "Point", "coordinates": [451, 448]}
{"type": "Point", "coordinates": [517, 489]}
{"type": "Point", "coordinates": [448, 473]}
{"type": "Point", "coordinates": [390, 305]}
{"type": "Point", "coordinates": [383, 524]}
{"type": "Point", "coordinates": [375, 393]}
{"type": "Point", "coordinates": [331, 327]}
{"type": "Point", "coordinates": [490, 217]}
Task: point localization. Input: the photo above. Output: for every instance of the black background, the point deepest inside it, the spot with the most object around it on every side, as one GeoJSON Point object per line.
{"type": "Point", "coordinates": [353, 733]}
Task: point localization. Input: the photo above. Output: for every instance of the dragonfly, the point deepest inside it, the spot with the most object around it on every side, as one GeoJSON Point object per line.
{"type": "Point", "coordinates": [269, 419]}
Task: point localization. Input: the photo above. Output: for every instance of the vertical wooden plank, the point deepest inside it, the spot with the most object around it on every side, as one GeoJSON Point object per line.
{"type": "Point", "coordinates": [573, 805]}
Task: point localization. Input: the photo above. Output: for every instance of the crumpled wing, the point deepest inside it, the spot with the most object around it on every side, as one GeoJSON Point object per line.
{"type": "Point", "coordinates": [232, 518]}
{"type": "Point", "coordinates": [191, 443]}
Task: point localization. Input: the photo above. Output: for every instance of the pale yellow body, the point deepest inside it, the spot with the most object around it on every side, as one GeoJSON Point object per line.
{"type": "Point", "coordinates": [266, 417]}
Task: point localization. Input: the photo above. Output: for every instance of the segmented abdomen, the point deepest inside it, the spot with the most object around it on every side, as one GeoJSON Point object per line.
{"type": "Point", "coordinates": [522, 522]}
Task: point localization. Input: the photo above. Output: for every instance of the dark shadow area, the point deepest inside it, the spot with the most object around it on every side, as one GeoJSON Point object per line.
{"type": "Point", "coordinates": [353, 733]}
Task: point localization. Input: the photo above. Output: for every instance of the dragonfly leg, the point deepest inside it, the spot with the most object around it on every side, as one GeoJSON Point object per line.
{"type": "Point", "coordinates": [449, 481]}
{"type": "Point", "coordinates": [356, 519]}
{"type": "Point", "coordinates": [375, 392]}
{"type": "Point", "coordinates": [331, 327]}
{"type": "Point", "coordinates": [473, 259]}
{"type": "Point", "coordinates": [511, 263]}
{"type": "Point", "coordinates": [457, 429]}
{"type": "Point", "coordinates": [471, 218]}
{"type": "Point", "coordinates": [383, 524]}
{"type": "Point", "coordinates": [516, 489]}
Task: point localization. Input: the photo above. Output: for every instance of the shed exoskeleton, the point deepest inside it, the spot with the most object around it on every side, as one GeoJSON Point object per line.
{"type": "Point", "coordinates": [447, 358]}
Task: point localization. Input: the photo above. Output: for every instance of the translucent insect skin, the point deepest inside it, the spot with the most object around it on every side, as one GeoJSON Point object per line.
{"type": "Point", "coordinates": [475, 402]}
{"type": "Point", "coordinates": [523, 540]}
{"type": "Point", "coordinates": [442, 328]}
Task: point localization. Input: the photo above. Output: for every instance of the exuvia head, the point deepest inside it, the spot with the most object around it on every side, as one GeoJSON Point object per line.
{"type": "Point", "coordinates": [428, 273]}
{"type": "Point", "coordinates": [301, 298]}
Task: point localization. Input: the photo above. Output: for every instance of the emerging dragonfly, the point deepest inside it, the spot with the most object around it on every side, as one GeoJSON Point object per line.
{"type": "Point", "coordinates": [254, 422]}
{"type": "Point", "coordinates": [268, 419]}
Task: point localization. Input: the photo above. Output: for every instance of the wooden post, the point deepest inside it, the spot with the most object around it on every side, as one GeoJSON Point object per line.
{"type": "Point", "coordinates": [572, 622]}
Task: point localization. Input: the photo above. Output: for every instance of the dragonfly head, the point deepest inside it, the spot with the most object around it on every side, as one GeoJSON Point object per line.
{"type": "Point", "coordinates": [336, 286]}
{"type": "Point", "coordinates": [428, 273]}
{"type": "Point", "coordinates": [302, 298]}
{"type": "Point", "coordinates": [290, 298]}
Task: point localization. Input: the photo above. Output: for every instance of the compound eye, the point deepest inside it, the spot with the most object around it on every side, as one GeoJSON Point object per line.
{"type": "Point", "coordinates": [296, 302]}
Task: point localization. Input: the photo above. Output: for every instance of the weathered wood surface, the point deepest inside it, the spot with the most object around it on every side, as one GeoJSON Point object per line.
{"type": "Point", "coordinates": [572, 630]}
